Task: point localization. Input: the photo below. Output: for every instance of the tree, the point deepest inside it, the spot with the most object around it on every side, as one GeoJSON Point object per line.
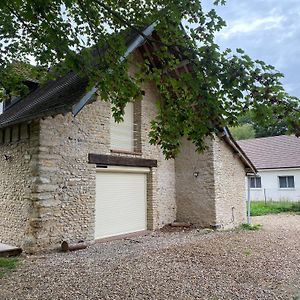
{"type": "Point", "coordinates": [279, 128]}
{"type": "Point", "coordinates": [221, 86]}
{"type": "Point", "coordinates": [271, 128]}
{"type": "Point", "coordinates": [243, 132]}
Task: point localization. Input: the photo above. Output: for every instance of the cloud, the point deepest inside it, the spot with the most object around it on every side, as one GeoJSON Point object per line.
{"type": "Point", "coordinates": [249, 26]}
{"type": "Point", "coordinates": [268, 30]}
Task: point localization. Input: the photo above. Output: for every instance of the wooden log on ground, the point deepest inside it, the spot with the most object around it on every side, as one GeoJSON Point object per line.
{"type": "Point", "coordinates": [181, 224]}
{"type": "Point", "coordinates": [65, 246]}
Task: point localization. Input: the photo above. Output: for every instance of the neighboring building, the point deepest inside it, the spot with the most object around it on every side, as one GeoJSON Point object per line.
{"type": "Point", "coordinates": [277, 160]}
{"type": "Point", "coordinates": [68, 172]}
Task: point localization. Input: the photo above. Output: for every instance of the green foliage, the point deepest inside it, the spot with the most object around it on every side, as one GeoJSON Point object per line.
{"type": "Point", "coordinates": [260, 208]}
{"type": "Point", "coordinates": [272, 128]}
{"type": "Point", "coordinates": [221, 87]}
{"type": "Point", "coordinates": [278, 128]}
{"type": "Point", "coordinates": [243, 132]}
{"type": "Point", "coordinates": [251, 227]}
{"type": "Point", "coordinates": [7, 264]}
{"type": "Point", "coordinates": [13, 77]}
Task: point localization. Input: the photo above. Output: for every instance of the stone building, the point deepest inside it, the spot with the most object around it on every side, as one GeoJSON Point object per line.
{"type": "Point", "coordinates": [68, 172]}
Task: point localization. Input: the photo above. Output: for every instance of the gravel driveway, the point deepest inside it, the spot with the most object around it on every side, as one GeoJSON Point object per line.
{"type": "Point", "coordinates": [180, 265]}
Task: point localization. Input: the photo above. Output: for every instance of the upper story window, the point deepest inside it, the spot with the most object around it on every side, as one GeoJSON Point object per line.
{"type": "Point", "coordinates": [126, 136]}
{"type": "Point", "coordinates": [286, 182]}
{"type": "Point", "coordinates": [255, 182]}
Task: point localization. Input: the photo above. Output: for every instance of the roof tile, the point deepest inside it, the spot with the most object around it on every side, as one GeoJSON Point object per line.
{"type": "Point", "coordinates": [273, 152]}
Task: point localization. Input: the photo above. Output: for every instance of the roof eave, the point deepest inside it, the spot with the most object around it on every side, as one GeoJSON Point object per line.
{"type": "Point", "coordinates": [242, 155]}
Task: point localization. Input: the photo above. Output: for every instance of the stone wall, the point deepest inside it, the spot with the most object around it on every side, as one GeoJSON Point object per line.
{"type": "Point", "coordinates": [51, 197]}
{"type": "Point", "coordinates": [210, 187]}
{"type": "Point", "coordinates": [163, 185]}
{"type": "Point", "coordinates": [18, 162]}
{"type": "Point", "coordinates": [65, 198]}
{"type": "Point", "coordinates": [195, 185]}
{"type": "Point", "coordinates": [229, 186]}
{"type": "Point", "coordinates": [48, 188]}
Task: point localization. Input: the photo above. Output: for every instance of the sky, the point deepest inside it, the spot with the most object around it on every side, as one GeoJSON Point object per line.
{"type": "Point", "coordinates": [266, 29]}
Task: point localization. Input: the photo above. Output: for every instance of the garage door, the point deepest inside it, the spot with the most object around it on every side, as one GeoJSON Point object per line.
{"type": "Point", "coordinates": [120, 201]}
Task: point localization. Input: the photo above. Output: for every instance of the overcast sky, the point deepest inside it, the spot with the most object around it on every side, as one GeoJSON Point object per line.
{"type": "Point", "coordinates": [267, 30]}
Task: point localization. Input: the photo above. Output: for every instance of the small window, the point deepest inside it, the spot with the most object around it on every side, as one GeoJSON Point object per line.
{"type": "Point", "coordinates": [122, 134]}
{"type": "Point", "coordinates": [255, 182]}
{"type": "Point", "coordinates": [286, 182]}
{"type": "Point", "coordinates": [1, 108]}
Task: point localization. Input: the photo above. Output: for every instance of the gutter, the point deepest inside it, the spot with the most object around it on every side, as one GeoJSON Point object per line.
{"type": "Point", "coordinates": [137, 42]}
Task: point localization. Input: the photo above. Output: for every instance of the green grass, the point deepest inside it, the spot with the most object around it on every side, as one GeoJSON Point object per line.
{"type": "Point", "coordinates": [7, 264]}
{"type": "Point", "coordinates": [260, 208]}
{"type": "Point", "coordinates": [251, 227]}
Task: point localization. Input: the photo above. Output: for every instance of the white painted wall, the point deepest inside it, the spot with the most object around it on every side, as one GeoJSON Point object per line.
{"type": "Point", "coordinates": [270, 186]}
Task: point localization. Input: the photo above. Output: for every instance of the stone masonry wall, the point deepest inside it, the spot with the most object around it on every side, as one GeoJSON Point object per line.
{"type": "Point", "coordinates": [163, 210]}
{"type": "Point", "coordinates": [66, 192]}
{"type": "Point", "coordinates": [67, 186]}
{"type": "Point", "coordinates": [230, 186]}
{"type": "Point", "coordinates": [18, 162]}
{"type": "Point", "coordinates": [195, 195]}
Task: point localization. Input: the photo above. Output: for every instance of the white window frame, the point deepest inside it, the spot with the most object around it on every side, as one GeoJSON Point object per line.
{"type": "Point", "coordinates": [287, 182]}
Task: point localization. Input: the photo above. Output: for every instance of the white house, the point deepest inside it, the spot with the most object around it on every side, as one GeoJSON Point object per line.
{"type": "Point", "coordinates": [277, 160]}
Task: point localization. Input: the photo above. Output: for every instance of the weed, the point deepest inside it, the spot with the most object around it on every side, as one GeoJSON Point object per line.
{"type": "Point", "coordinates": [7, 264]}
{"type": "Point", "coordinates": [248, 252]}
{"type": "Point", "coordinates": [251, 227]}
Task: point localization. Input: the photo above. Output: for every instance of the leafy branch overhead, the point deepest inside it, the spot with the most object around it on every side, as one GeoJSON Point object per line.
{"type": "Point", "coordinates": [89, 36]}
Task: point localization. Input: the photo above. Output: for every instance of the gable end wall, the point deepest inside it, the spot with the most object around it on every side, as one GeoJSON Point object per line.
{"type": "Point", "coordinates": [66, 191]}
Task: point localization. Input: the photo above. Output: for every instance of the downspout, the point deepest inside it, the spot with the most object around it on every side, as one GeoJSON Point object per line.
{"type": "Point", "coordinates": [248, 200]}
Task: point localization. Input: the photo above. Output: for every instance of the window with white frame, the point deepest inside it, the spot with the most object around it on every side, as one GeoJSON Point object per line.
{"type": "Point", "coordinates": [286, 182]}
{"type": "Point", "coordinates": [255, 182]}
{"type": "Point", "coordinates": [122, 134]}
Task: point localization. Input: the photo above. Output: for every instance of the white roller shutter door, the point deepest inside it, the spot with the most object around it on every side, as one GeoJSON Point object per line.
{"type": "Point", "coordinates": [120, 201]}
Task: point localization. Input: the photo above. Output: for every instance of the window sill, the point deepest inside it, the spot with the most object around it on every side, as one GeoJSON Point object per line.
{"type": "Point", "coordinates": [256, 189]}
{"type": "Point", "coordinates": [137, 153]}
{"type": "Point", "coordinates": [287, 189]}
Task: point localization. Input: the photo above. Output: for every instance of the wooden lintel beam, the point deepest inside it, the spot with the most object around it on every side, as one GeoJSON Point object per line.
{"type": "Point", "coordinates": [114, 160]}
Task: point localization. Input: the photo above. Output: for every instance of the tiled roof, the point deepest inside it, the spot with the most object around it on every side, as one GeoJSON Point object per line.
{"type": "Point", "coordinates": [53, 98]}
{"type": "Point", "coordinates": [56, 96]}
{"type": "Point", "coordinates": [273, 152]}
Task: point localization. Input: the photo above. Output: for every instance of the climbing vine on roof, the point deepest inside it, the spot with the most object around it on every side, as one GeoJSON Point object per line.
{"type": "Point", "coordinates": [202, 88]}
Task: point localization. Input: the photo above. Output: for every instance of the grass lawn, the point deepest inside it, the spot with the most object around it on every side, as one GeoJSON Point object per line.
{"type": "Point", "coordinates": [7, 264]}
{"type": "Point", "coordinates": [260, 208]}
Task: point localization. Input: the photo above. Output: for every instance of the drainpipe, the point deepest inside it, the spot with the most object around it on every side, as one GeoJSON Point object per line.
{"type": "Point", "coordinates": [248, 200]}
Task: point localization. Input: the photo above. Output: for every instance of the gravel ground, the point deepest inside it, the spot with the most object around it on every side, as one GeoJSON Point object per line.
{"type": "Point", "coordinates": [195, 264]}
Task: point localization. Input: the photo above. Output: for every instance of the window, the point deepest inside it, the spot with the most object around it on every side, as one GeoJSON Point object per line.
{"type": "Point", "coordinates": [121, 136]}
{"type": "Point", "coordinates": [255, 182]}
{"type": "Point", "coordinates": [286, 182]}
{"type": "Point", "coordinates": [1, 108]}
